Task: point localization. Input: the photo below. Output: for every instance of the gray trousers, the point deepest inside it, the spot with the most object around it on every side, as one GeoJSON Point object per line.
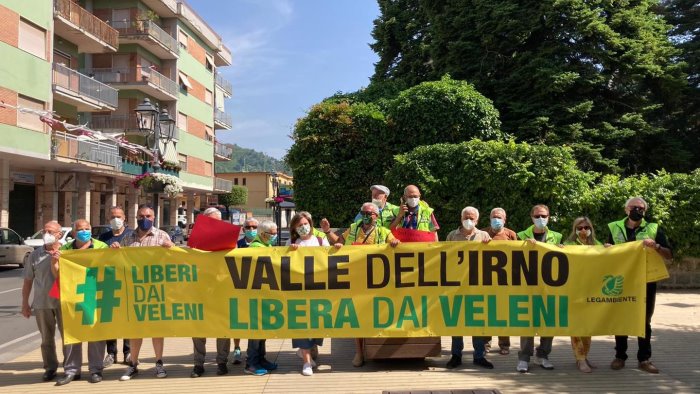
{"type": "Point", "coordinates": [527, 345]}
{"type": "Point", "coordinates": [73, 355]}
{"type": "Point", "coordinates": [223, 347]}
{"type": "Point", "coordinates": [46, 321]}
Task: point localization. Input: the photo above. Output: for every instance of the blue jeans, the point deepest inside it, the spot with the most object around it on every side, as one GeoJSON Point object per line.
{"type": "Point", "coordinates": [478, 343]}
{"type": "Point", "coordinates": [255, 353]}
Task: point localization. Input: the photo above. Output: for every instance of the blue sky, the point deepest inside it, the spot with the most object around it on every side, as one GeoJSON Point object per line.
{"type": "Point", "coordinates": [287, 56]}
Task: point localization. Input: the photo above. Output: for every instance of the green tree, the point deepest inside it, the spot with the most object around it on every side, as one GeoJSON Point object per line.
{"type": "Point", "coordinates": [238, 196]}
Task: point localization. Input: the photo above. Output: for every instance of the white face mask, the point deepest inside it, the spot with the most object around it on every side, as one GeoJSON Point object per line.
{"type": "Point", "coordinates": [49, 239]}
{"type": "Point", "coordinates": [541, 223]}
{"type": "Point", "coordinates": [116, 224]}
{"type": "Point", "coordinates": [412, 202]}
{"type": "Point", "coordinates": [304, 229]}
{"type": "Point", "coordinates": [584, 233]}
{"type": "Point", "coordinates": [378, 203]}
{"type": "Point", "coordinates": [468, 224]}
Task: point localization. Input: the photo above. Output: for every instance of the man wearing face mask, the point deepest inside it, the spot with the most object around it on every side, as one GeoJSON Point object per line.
{"type": "Point", "coordinates": [250, 228]}
{"type": "Point", "coordinates": [630, 229]}
{"type": "Point", "coordinates": [538, 232]}
{"type": "Point", "coordinates": [74, 353]}
{"type": "Point", "coordinates": [38, 276]}
{"type": "Point", "coordinates": [468, 232]}
{"type": "Point", "coordinates": [256, 364]}
{"type": "Point", "coordinates": [380, 193]}
{"type": "Point", "coordinates": [119, 230]}
{"type": "Point", "coordinates": [145, 235]}
{"type": "Point", "coordinates": [415, 213]}
{"type": "Point", "coordinates": [499, 232]}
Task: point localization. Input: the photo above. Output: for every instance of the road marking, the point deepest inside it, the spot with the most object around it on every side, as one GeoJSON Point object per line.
{"type": "Point", "coordinates": [7, 291]}
{"type": "Point", "coordinates": [20, 339]}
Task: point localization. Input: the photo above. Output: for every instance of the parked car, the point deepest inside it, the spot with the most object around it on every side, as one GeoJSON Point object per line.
{"type": "Point", "coordinates": [176, 234]}
{"type": "Point", "coordinates": [12, 248]}
{"type": "Point", "coordinates": [100, 229]}
{"type": "Point", "coordinates": [37, 239]}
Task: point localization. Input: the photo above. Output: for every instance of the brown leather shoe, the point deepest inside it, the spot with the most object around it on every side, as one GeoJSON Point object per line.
{"type": "Point", "coordinates": [617, 364]}
{"type": "Point", "coordinates": [647, 366]}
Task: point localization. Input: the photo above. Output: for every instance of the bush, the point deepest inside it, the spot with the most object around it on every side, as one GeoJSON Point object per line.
{"type": "Point", "coordinates": [237, 197]}
{"type": "Point", "coordinates": [488, 174]}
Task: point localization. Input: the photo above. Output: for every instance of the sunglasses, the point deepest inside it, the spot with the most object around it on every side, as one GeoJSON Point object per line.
{"type": "Point", "coordinates": [250, 227]}
{"type": "Point", "coordinates": [540, 216]}
{"type": "Point", "coordinates": [368, 213]}
{"type": "Point", "coordinates": [583, 228]}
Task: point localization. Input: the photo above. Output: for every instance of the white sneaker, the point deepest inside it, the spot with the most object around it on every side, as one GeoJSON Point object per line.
{"type": "Point", "coordinates": [544, 363]}
{"type": "Point", "coordinates": [307, 370]}
{"type": "Point", "coordinates": [300, 354]}
{"type": "Point", "coordinates": [522, 366]}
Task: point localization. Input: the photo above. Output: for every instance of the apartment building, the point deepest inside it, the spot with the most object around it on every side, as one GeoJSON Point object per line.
{"type": "Point", "coordinates": [92, 62]}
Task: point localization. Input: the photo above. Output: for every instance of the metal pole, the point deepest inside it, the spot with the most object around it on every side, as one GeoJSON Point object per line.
{"type": "Point", "coordinates": [156, 164]}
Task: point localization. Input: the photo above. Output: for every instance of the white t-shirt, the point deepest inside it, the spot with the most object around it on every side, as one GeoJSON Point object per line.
{"type": "Point", "coordinates": [313, 241]}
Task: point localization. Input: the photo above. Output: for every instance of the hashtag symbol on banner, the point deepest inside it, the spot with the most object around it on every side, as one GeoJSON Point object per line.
{"type": "Point", "coordinates": [91, 303]}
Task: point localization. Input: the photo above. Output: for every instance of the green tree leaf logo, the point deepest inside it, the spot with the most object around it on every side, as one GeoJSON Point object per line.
{"type": "Point", "coordinates": [612, 285]}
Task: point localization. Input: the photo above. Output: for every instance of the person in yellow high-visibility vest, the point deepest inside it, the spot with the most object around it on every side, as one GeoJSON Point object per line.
{"type": "Point", "coordinates": [630, 229]}
{"type": "Point", "coordinates": [414, 213]}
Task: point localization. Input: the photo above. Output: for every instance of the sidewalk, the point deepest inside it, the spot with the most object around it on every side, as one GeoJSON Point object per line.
{"type": "Point", "coordinates": [676, 342]}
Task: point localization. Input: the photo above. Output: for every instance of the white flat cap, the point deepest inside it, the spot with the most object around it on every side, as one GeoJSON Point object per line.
{"type": "Point", "coordinates": [381, 188]}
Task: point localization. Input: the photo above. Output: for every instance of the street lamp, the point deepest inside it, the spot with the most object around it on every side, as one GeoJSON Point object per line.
{"type": "Point", "coordinates": [277, 211]}
{"type": "Point", "coordinates": [151, 120]}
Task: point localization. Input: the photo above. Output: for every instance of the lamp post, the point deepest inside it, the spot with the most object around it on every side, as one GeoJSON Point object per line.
{"type": "Point", "coordinates": [152, 121]}
{"type": "Point", "coordinates": [277, 211]}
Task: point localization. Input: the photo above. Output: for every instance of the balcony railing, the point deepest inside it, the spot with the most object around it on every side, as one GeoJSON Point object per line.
{"type": "Point", "coordinates": [223, 118]}
{"type": "Point", "coordinates": [114, 122]}
{"type": "Point", "coordinates": [82, 18]}
{"type": "Point", "coordinates": [146, 27]}
{"type": "Point", "coordinates": [223, 185]}
{"type": "Point", "coordinates": [134, 75]}
{"type": "Point", "coordinates": [68, 145]}
{"type": "Point", "coordinates": [223, 150]}
{"type": "Point", "coordinates": [84, 85]}
{"type": "Point", "coordinates": [224, 84]}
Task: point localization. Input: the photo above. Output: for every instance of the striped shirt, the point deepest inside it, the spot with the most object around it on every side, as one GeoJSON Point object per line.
{"type": "Point", "coordinates": [154, 237]}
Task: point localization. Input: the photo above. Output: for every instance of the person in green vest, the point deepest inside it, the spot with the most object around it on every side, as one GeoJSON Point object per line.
{"type": "Point", "coordinates": [629, 229]}
{"type": "Point", "coordinates": [538, 232]}
{"type": "Point", "coordinates": [582, 233]}
{"type": "Point", "coordinates": [363, 232]}
{"type": "Point", "coordinates": [380, 193]}
{"type": "Point", "coordinates": [414, 213]}
{"type": "Point", "coordinates": [73, 354]}
{"type": "Point", "coordinates": [256, 363]}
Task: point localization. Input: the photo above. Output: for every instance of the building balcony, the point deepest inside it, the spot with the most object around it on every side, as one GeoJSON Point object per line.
{"type": "Point", "coordinates": [222, 185]}
{"type": "Point", "coordinates": [223, 56]}
{"type": "Point", "coordinates": [86, 93]}
{"type": "Point", "coordinates": [77, 25]}
{"type": "Point", "coordinates": [121, 124]}
{"type": "Point", "coordinates": [137, 168]}
{"type": "Point", "coordinates": [225, 85]}
{"type": "Point", "coordinates": [222, 152]}
{"type": "Point", "coordinates": [146, 80]}
{"type": "Point", "coordinates": [149, 35]}
{"type": "Point", "coordinates": [94, 153]}
{"type": "Point", "coordinates": [222, 120]}
{"type": "Point", "coordinates": [164, 8]}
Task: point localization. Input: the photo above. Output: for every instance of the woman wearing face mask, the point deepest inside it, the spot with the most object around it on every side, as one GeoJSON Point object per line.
{"type": "Point", "coordinates": [302, 234]}
{"type": "Point", "coordinates": [582, 233]}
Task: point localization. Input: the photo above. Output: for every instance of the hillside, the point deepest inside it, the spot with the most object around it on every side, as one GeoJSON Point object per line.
{"type": "Point", "coordinates": [245, 159]}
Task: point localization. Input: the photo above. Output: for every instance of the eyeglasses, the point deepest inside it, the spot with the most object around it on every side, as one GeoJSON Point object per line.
{"type": "Point", "coordinates": [250, 227]}
{"type": "Point", "coordinates": [368, 213]}
{"type": "Point", "coordinates": [583, 228]}
{"type": "Point", "coordinates": [540, 216]}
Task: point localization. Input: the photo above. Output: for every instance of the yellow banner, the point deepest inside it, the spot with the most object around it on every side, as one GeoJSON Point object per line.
{"type": "Point", "coordinates": [421, 289]}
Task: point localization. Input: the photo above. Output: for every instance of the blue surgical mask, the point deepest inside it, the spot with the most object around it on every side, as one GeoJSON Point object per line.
{"type": "Point", "coordinates": [496, 223]}
{"type": "Point", "coordinates": [83, 235]}
{"type": "Point", "coordinates": [250, 234]}
{"type": "Point", "coordinates": [144, 224]}
{"type": "Point", "coordinates": [541, 223]}
{"type": "Point", "coordinates": [273, 239]}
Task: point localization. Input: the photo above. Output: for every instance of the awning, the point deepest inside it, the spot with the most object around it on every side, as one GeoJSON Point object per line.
{"type": "Point", "coordinates": [185, 81]}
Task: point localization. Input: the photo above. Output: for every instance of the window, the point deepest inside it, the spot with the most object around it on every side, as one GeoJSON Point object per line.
{"type": "Point", "coordinates": [209, 63]}
{"type": "Point", "coordinates": [243, 181]}
{"type": "Point", "coordinates": [32, 39]}
{"type": "Point", "coordinates": [26, 120]}
{"type": "Point", "coordinates": [182, 39]}
{"type": "Point", "coordinates": [208, 134]}
{"type": "Point", "coordinates": [184, 82]}
{"type": "Point", "coordinates": [181, 121]}
{"type": "Point", "coordinates": [235, 181]}
{"type": "Point", "coordinates": [121, 18]}
{"type": "Point", "coordinates": [207, 168]}
{"type": "Point", "coordinates": [207, 96]}
{"type": "Point", "coordinates": [182, 160]}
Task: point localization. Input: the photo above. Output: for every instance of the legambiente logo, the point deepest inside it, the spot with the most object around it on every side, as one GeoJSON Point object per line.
{"type": "Point", "coordinates": [90, 288]}
{"type": "Point", "coordinates": [613, 287]}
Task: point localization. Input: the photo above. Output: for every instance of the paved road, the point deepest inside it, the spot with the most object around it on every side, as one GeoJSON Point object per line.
{"type": "Point", "coordinates": [17, 334]}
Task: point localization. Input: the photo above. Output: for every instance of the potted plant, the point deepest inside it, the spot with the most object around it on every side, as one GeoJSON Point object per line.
{"type": "Point", "coordinates": [158, 183]}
